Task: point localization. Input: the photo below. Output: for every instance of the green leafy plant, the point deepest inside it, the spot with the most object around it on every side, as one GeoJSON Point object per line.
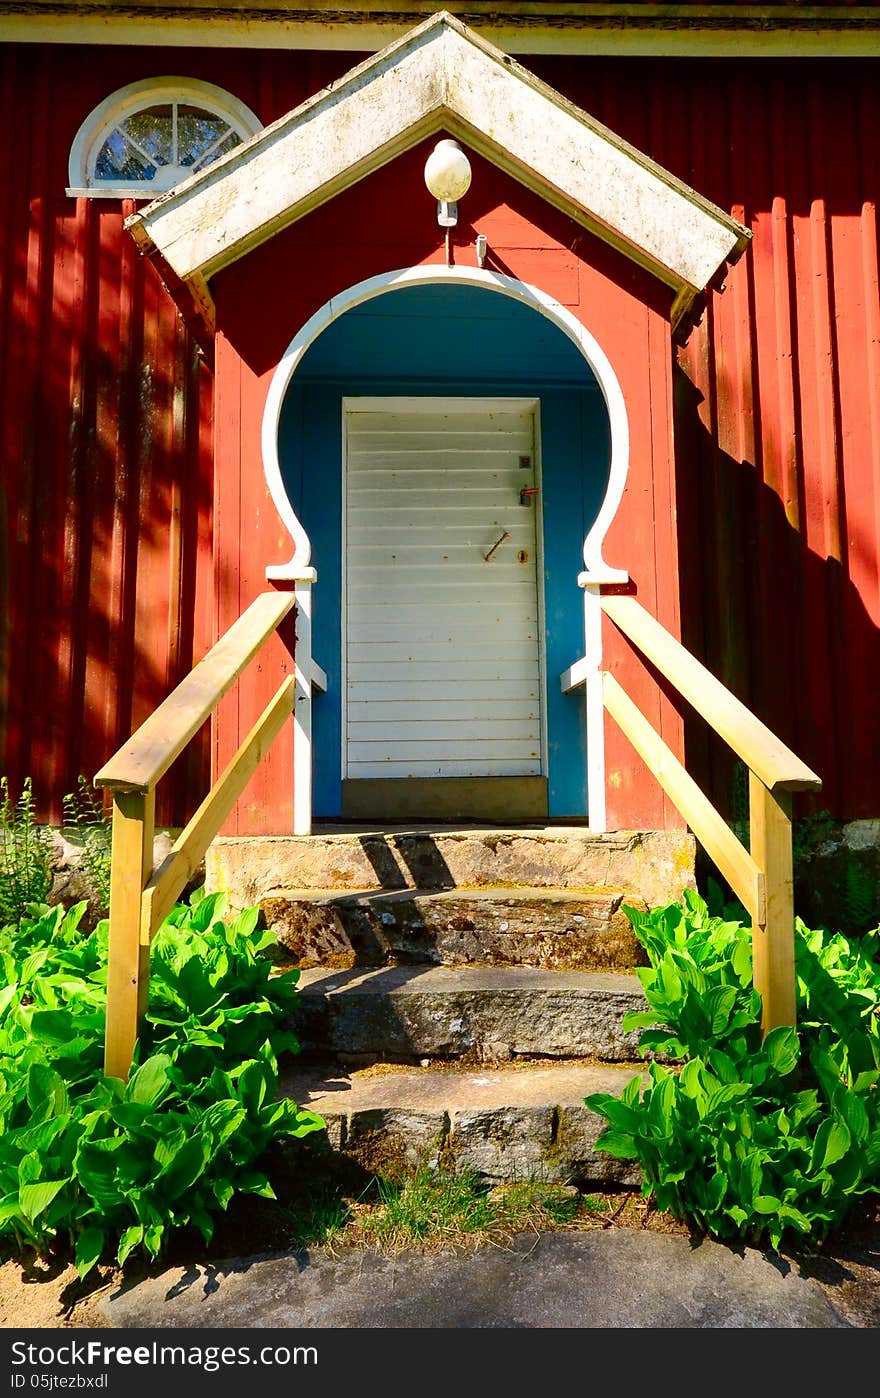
{"type": "Point", "coordinates": [102, 1166]}
{"type": "Point", "coordinates": [751, 1139]}
{"type": "Point", "coordinates": [25, 854]}
{"type": "Point", "coordinates": [91, 827]}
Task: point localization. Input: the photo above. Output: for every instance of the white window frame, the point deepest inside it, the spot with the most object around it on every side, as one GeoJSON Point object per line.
{"type": "Point", "coordinates": [124, 103]}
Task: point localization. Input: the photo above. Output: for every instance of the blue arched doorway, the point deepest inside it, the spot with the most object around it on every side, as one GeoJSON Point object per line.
{"type": "Point", "coordinates": [441, 349]}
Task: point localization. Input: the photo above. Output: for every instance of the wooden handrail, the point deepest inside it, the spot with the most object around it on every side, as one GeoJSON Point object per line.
{"type": "Point", "coordinates": [763, 753]}
{"type": "Point", "coordinates": [149, 752]}
{"type": "Point", "coordinates": [710, 828]}
{"type": "Point", "coordinates": [140, 898]}
{"type": "Point", "coordinates": [762, 876]}
{"type": "Point", "coordinates": [187, 852]}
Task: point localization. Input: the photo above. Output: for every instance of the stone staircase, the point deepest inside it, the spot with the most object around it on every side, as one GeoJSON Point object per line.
{"type": "Point", "coordinates": [462, 989]}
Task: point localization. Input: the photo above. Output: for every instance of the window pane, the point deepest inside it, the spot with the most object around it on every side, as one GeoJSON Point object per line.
{"type": "Point", "coordinates": [118, 160]}
{"type": "Point", "coordinates": [228, 143]}
{"type": "Point", "coordinates": [197, 131]}
{"type": "Point", "coordinates": [151, 130]}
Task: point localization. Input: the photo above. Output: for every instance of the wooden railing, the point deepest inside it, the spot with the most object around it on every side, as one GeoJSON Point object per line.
{"type": "Point", "coordinates": [762, 876]}
{"type": "Point", "coordinates": [140, 897]}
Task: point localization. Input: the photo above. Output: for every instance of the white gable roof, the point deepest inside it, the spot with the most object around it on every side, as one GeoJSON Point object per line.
{"type": "Point", "coordinates": [441, 76]}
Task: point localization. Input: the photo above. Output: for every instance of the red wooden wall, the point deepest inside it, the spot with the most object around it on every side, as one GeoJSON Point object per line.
{"type": "Point", "coordinates": [105, 577]}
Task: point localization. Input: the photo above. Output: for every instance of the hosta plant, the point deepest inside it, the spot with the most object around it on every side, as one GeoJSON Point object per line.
{"type": "Point", "coordinates": [749, 1139]}
{"type": "Point", "coordinates": [107, 1167]}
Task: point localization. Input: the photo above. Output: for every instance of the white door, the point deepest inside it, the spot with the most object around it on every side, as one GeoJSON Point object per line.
{"type": "Point", "coordinates": [442, 654]}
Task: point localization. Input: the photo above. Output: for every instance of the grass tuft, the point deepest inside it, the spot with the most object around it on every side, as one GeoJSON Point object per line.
{"type": "Point", "coordinates": [431, 1209]}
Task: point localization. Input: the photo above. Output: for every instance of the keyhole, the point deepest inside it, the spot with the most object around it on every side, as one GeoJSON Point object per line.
{"type": "Point", "coordinates": [522, 556]}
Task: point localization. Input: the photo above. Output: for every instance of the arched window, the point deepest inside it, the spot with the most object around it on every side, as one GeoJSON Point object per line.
{"type": "Point", "coordinates": [148, 137]}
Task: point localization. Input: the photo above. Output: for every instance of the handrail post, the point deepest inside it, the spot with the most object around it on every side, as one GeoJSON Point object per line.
{"type": "Point", "coordinates": [302, 712]}
{"type": "Point", "coordinates": [594, 706]}
{"type": "Point", "coordinates": [128, 957]}
{"type": "Point", "coordinates": [773, 940]}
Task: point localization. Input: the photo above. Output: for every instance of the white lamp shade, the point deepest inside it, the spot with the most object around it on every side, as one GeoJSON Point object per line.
{"type": "Point", "coordinates": [447, 171]}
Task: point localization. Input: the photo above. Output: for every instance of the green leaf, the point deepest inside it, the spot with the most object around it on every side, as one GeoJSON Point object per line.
{"type": "Point", "coordinates": [852, 1109]}
{"type": "Point", "coordinates": [632, 1091]}
{"type": "Point", "coordinates": [132, 1238]}
{"type": "Point", "coordinates": [54, 1026]}
{"type": "Point", "coordinates": [168, 1145]}
{"type": "Point", "coordinates": [35, 1198]}
{"type": "Point", "coordinates": [720, 1001]}
{"type": "Point", "coordinates": [89, 1246]}
{"type": "Point", "coordinates": [201, 1219]}
{"type": "Point", "coordinates": [782, 1048]}
{"type": "Point", "coordinates": [741, 961]}
{"type": "Point", "coordinates": [691, 1079]}
{"type": "Point", "coordinates": [37, 1139]}
{"type": "Point", "coordinates": [794, 1216]}
{"type": "Point", "coordinates": [253, 1085]}
{"type": "Point", "coordinates": [95, 1168]}
{"type": "Point", "coordinates": [638, 1019]}
{"type": "Point", "coordinates": [831, 1144]}
{"type": "Point", "coordinates": [30, 1168]}
{"type": "Point", "coordinates": [42, 1084]}
{"type": "Point", "coordinates": [184, 1169]}
{"type": "Point", "coordinates": [245, 924]}
{"type": "Point", "coordinates": [766, 1204]}
{"type": "Point", "coordinates": [255, 1182]}
{"type": "Point", "coordinates": [149, 1084]}
{"type": "Point", "coordinates": [620, 1144]}
{"type": "Point", "coordinates": [154, 1234]}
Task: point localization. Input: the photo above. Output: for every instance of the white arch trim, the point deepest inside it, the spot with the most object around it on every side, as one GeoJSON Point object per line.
{"type": "Point", "coordinates": [596, 570]}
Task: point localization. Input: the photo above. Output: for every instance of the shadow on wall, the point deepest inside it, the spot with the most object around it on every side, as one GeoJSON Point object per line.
{"type": "Point", "coordinates": [784, 628]}
{"type": "Point", "coordinates": [105, 512]}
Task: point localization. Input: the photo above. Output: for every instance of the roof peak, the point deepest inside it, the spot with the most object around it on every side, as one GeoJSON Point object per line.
{"type": "Point", "coordinates": [441, 76]}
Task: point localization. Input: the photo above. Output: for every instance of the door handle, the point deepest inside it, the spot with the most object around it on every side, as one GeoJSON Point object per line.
{"type": "Point", "coordinates": [526, 493]}
{"type": "Point", "coordinates": [497, 544]}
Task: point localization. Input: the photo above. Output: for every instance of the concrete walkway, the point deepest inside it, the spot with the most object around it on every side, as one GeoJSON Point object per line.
{"type": "Point", "coordinates": [612, 1279]}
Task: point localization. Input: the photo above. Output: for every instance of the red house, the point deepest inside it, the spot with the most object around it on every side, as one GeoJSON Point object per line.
{"type": "Point", "coordinates": [534, 451]}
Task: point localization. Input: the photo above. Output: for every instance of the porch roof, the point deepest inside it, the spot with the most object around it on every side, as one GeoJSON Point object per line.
{"type": "Point", "coordinates": [441, 76]}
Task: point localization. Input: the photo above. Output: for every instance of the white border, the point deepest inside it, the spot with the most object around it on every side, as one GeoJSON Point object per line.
{"type": "Point", "coordinates": [419, 403]}
{"type": "Point", "coordinates": [122, 103]}
{"type": "Point", "coordinates": [596, 569]}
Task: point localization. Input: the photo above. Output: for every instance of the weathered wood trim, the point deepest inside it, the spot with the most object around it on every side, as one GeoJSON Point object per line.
{"type": "Point", "coordinates": [140, 762]}
{"type": "Point", "coordinates": [736, 864]}
{"type": "Point", "coordinates": [441, 76]}
{"type": "Point", "coordinates": [763, 753]}
{"type": "Point", "coordinates": [188, 849]}
{"type": "Point", "coordinates": [634, 30]}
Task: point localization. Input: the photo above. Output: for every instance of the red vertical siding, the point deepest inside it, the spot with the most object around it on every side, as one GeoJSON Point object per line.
{"type": "Point", "coordinates": [106, 484]}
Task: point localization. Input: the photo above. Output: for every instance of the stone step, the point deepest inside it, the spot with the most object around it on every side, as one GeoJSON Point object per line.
{"type": "Point", "coordinates": [652, 865]}
{"type": "Point", "coordinates": [552, 928]}
{"type": "Point", "coordinates": [404, 1014]}
{"type": "Point", "coordinates": [505, 1123]}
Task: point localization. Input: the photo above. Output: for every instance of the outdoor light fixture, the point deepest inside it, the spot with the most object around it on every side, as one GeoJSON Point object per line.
{"type": "Point", "coordinates": [448, 177]}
